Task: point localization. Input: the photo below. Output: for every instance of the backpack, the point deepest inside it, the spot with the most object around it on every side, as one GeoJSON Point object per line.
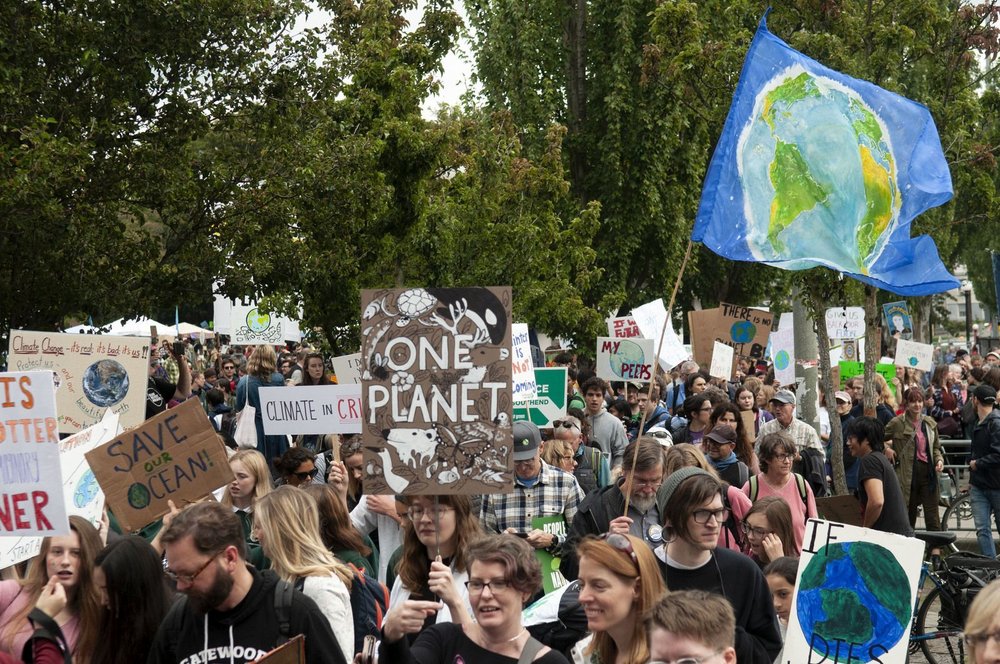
{"type": "Point", "coordinates": [730, 523]}
{"type": "Point", "coordinates": [799, 481]}
{"type": "Point", "coordinates": [369, 604]}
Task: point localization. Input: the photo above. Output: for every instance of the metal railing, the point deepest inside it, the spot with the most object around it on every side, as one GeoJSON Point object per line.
{"type": "Point", "coordinates": [956, 464]}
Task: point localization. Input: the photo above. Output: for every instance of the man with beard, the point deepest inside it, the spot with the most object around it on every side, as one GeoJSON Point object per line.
{"type": "Point", "coordinates": [230, 613]}
{"type": "Point", "coordinates": [604, 511]}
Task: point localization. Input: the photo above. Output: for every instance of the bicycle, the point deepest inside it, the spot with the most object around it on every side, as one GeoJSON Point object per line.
{"type": "Point", "coordinates": [939, 616]}
{"type": "Point", "coordinates": [959, 512]}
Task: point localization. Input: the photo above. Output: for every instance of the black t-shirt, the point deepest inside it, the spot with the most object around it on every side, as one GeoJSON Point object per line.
{"type": "Point", "coordinates": [158, 393]}
{"type": "Point", "coordinates": [894, 517]}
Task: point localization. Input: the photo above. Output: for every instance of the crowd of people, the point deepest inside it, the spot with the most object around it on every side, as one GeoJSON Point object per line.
{"type": "Point", "coordinates": [677, 508]}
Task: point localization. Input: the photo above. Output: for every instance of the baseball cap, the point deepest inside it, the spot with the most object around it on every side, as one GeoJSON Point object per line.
{"type": "Point", "coordinates": [843, 396]}
{"type": "Point", "coordinates": [723, 434]}
{"type": "Point", "coordinates": [984, 393]}
{"type": "Point", "coordinates": [994, 353]}
{"type": "Point", "coordinates": [527, 438]}
{"type": "Point", "coordinates": [784, 396]}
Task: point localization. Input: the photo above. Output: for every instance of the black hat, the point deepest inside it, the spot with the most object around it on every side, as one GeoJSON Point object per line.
{"type": "Point", "coordinates": [723, 434]}
{"type": "Point", "coordinates": [984, 393]}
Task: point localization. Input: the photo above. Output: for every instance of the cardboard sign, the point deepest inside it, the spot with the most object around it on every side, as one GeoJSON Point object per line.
{"type": "Point", "coordinates": [347, 369]}
{"type": "Point", "coordinates": [914, 355]}
{"type": "Point", "coordinates": [250, 326]}
{"type": "Point", "coordinates": [312, 409]}
{"type": "Point", "coordinates": [176, 455]}
{"type": "Point", "coordinates": [745, 329]}
{"type": "Point", "coordinates": [623, 327]}
{"type": "Point", "coordinates": [897, 320]}
{"type": "Point", "coordinates": [854, 596]}
{"type": "Point", "coordinates": [650, 318]}
{"type": "Point", "coordinates": [549, 403]}
{"type": "Point", "coordinates": [749, 425]}
{"type": "Point", "coordinates": [292, 651]}
{"type": "Point", "coordinates": [845, 322]}
{"type": "Point", "coordinates": [842, 509]}
{"type": "Point", "coordinates": [436, 390]}
{"type": "Point", "coordinates": [31, 492]}
{"type": "Point", "coordinates": [521, 364]}
{"type": "Point", "coordinates": [625, 359]}
{"type": "Point", "coordinates": [783, 355]}
{"type": "Point", "coordinates": [83, 496]}
{"type": "Point", "coordinates": [722, 361]}
{"type": "Point", "coordinates": [91, 372]}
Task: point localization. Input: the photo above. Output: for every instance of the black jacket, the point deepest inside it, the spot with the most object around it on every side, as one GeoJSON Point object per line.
{"type": "Point", "coordinates": [986, 452]}
{"type": "Point", "coordinates": [246, 632]}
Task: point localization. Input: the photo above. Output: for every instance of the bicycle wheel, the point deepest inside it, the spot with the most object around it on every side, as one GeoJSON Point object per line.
{"type": "Point", "coordinates": [938, 617]}
{"type": "Point", "coordinates": [958, 516]}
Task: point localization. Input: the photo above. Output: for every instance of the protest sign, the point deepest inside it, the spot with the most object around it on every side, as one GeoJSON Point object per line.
{"type": "Point", "coordinates": [549, 403]}
{"type": "Point", "coordinates": [91, 372]}
{"type": "Point", "coordinates": [250, 326]}
{"type": "Point", "coordinates": [845, 322]}
{"type": "Point", "coordinates": [31, 494]}
{"type": "Point", "coordinates": [650, 319]}
{"type": "Point", "coordinates": [914, 355]}
{"type": "Point", "coordinates": [744, 328]}
{"type": "Point", "coordinates": [849, 370]}
{"type": "Point", "coordinates": [722, 361]}
{"type": "Point", "coordinates": [436, 390]}
{"type": "Point", "coordinates": [552, 578]}
{"type": "Point", "coordinates": [625, 359]}
{"type": "Point", "coordinates": [523, 369]}
{"type": "Point", "coordinates": [849, 350]}
{"type": "Point", "coordinates": [623, 327]}
{"type": "Point", "coordinates": [897, 318]}
{"type": "Point", "coordinates": [854, 596]}
{"type": "Point", "coordinates": [176, 455]}
{"type": "Point", "coordinates": [311, 409]}
{"type": "Point", "coordinates": [783, 355]}
{"type": "Point", "coordinates": [347, 369]}
{"type": "Point", "coordinates": [83, 496]}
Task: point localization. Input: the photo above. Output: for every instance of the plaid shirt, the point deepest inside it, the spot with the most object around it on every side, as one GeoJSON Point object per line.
{"type": "Point", "coordinates": [803, 435]}
{"type": "Point", "coordinates": [556, 492]}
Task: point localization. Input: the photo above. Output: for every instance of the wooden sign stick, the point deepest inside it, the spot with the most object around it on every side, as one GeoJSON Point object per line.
{"type": "Point", "coordinates": [627, 488]}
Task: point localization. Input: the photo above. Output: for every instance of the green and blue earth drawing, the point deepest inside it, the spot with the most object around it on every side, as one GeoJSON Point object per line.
{"type": "Point", "coordinates": [105, 383]}
{"type": "Point", "coordinates": [630, 353]}
{"type": "Point", "coordinates": [818, 174]}
{"type": "Point", "coordinates": [854, 593]}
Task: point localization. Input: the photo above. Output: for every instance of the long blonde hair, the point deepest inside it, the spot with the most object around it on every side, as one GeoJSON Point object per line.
{"type": "Point", "coordinates": [288, 518]}
{"type": "Point", "coordinates": [254, 462]}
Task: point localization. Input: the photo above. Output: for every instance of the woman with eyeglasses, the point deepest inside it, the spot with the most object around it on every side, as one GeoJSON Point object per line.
{"type": "Point", "coordinates": [619, 583]}
{"type": "Point", "coordinates": [913, 444]}
{"type": "Point", "coordinates": [503, 574]}
{"type": "Point", "coordinates": [777, 453]}
{"type": "Point", "coordinates": [287, 526]}
{"type": "Point", "coordinates": [982, 626]}
{"type": "Point", "coordinates": [698, 410]}
{"type": "Point", "coordinates": [434, 564]}
{"type": "Point", "coordinates": [693, 514]}
{"type": "Point", "coordinates": [768, 526]}
{"type": "Point", "coordinates": [296, 467]}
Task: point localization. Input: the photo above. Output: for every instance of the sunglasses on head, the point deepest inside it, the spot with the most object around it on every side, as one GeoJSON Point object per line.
{"type": "Point", "coordinates": [621, 543]}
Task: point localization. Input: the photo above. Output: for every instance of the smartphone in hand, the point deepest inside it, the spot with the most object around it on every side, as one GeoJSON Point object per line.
{"type": "Point", "coordinates": [368, 650]}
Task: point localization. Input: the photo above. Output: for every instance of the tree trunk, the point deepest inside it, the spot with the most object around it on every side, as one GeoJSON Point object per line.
{"type": "Point", "coordinates": [873, 342]}
{"type": "Point", "coordinates": [836, 443]}
{"type": "Point", "coordinates": [575, 38]}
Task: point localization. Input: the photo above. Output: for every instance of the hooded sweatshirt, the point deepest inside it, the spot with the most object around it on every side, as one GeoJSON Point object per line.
{"type": "Point", "coordinates": [245, 633]}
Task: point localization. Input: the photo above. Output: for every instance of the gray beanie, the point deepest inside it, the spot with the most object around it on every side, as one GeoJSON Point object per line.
{"type": "Point", "coordinates": [673, 481]}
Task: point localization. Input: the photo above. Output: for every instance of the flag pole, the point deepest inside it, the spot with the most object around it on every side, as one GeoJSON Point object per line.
{"type": "Point", "coordinates": [627, 488]}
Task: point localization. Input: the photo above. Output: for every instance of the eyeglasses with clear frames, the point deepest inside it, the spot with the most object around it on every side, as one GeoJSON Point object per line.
{"type": "Point", "coordinates": [687, 660]}
{"type": "Point", "coordinates": [417, 513]}
{"type": "Point", "coordinates": [189, 578]}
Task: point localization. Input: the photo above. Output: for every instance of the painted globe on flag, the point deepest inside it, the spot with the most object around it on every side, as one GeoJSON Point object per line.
{"type": "Point", "coordinates": [854, 592]}
{"type": "Point", "coordinates": [831, 194]}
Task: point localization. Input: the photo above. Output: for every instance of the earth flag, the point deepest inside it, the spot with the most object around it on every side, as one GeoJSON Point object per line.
{"type": "Point", "coordinates": [816, 168]}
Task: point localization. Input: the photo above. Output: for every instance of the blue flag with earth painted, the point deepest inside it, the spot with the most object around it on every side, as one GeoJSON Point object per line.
{"type": "Point", "coordinates": [814, 168]}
